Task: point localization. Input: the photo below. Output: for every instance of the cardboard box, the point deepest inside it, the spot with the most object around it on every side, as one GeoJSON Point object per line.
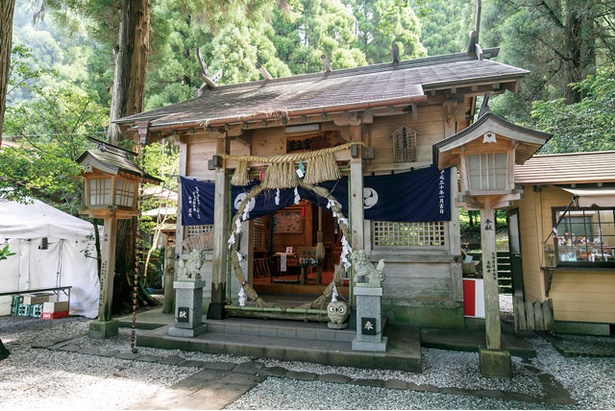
{"type": "Point", "coordinates": [55, 307]}
{"type": "Point", "coordinates": [40, 298]}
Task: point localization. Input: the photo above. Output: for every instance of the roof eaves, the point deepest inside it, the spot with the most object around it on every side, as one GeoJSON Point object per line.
{"type": "Point", "coordinates": [155, 114]}
{"type": "Point", "coordinates": [291, 113]}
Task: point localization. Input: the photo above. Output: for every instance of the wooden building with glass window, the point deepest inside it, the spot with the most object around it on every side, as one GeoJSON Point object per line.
{"type": "Point", "coordinates": [343, 161]}
{"type": "Point", "coordinates": [565, 230]}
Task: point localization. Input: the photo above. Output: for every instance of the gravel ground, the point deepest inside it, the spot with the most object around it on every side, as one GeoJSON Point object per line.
{"type": "Point", "coordinates": [51, 379]}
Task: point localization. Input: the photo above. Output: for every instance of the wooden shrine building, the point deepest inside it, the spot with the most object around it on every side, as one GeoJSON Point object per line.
{"type": "Point", "coordinates": [281, 178]}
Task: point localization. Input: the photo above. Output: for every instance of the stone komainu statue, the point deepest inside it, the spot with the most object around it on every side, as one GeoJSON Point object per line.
{"type": "Point", "coordinates": [190, 270]}
{"type": "Point", "coordinates": [365, 274]}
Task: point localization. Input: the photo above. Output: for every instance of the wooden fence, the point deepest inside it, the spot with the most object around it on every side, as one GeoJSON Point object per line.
{"type": "Point", "coordinates": [535, 315]}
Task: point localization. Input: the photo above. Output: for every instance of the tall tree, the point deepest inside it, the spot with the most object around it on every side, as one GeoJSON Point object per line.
{"type": "Point", "coordinates": [558, 41]}
{"type": "Point", "coordinates": [131, 54]}
{"type": "Point", "coordinates": [7, 8]}
{"type": "Point", "coordinates": [313, 28]}
{"type": "Point", "coordinates": [379, 24]}
{"type": "Point", "coordinates": [445, 25]}
{"type": "Point", "coordinates": [585, 126]}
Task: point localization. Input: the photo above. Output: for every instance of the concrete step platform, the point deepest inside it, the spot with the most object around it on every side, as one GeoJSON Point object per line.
{"type": "Point", "coordinates": [288, 341]}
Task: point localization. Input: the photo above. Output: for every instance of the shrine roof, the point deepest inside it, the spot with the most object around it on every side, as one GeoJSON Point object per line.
{"type": "Point", "coordinates": [378, 85]}
{"type": "Point", "coordinates": [568, 168]}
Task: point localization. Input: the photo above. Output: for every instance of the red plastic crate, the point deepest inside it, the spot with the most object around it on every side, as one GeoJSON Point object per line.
{"type": "Point", "coordinates": [54, 316]}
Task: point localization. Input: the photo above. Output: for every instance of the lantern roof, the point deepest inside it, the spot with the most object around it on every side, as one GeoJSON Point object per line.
{"type": "Point", "coordinates": [114, 160]}
{"type": "Point", "coordinates": [525, 141]}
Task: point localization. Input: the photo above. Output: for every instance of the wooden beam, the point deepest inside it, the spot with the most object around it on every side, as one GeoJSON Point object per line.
{"type": "Point", "coordinates": [479, 52]}
{"type": "Point", "coordinates": [243, 140]}
{"type": "Point", "coordinates": [395, 54]}
{"type": "Point", "coordinates": [220, 253]}
{"type": "Point", "coordinates": [264, 72]}
{"type": "Point", "coordinates": [326, 63]}
{"type": "Point", "coordinates": [234, 130]}
{"type": "Point", "coordinates": [348, 119]}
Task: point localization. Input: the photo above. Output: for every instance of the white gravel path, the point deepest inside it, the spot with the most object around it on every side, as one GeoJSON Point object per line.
{"type": "Point", "coordinates": [52, 379]}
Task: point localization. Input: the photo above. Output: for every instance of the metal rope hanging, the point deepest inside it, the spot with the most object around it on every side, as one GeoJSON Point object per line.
{"type": "Point", "coordinates": [136, 267]}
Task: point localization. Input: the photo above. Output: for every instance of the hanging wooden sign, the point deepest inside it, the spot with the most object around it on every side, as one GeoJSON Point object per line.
{"type": "Point", "coordinates": [311, 142]}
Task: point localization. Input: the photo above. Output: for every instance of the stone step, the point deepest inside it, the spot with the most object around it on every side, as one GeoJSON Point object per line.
{"type": "Point", "coordinates": [281, 329]}
{"type": "Point", "coordinates": [291, 341]}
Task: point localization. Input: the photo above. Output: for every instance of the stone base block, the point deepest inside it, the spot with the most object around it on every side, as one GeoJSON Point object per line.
{"type": "Point", "coordinates": [495, 363]}
{"type": "Point", "coordinates": [569, 327]}
{"type": "Point", "coordinates": [216, 311]}
{"type": "Point", "coordinates": [187, 332]}
{"type": "Point", "coordinates": [380, 346]}
{"type": "Point", "coordinates": [104, 329]}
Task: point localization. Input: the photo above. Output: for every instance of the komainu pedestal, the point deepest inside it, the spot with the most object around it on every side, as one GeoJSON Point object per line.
{"type": "Point", "coordinates": [189, 297]}
{"type": "Point", "coordinates": [368, 296]}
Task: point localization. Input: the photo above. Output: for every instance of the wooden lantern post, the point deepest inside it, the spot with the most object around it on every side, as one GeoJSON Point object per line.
{"type": "Point", "coordinates": [485, 154]}
{"type": "Point", "coordinates": [111, 191]}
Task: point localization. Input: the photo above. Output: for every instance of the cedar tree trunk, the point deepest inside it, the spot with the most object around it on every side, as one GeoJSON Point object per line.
{"type": "Point", "coordinates": [128, 98]}
{"type": "Point", "coordinates": [7, 8]}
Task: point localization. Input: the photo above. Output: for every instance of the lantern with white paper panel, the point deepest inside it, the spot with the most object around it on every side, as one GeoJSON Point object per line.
{"type": "Point", "coordinates": [111, 189]}
{"type": "Point", "coordinates": [485, 154]}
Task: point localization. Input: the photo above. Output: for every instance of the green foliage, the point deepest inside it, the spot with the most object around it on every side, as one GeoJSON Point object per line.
{"type": "Point", "coordinates": [23, 74]}
{"type": "Point", "coordinates": [585, 126]}
{"type": "Point", "coordinates": [50, 128]}
{"type": "Point", "coordinates": [445, 25]}
{"type": "Point", "coordinates": [469, 225]}
{"type": "Point", "coordinates": [560, 43]}
{"type": "Point", "coordinates": [383, 23]}
{"type": "Point", "coordinates": [161, 159]}
{"type": "Point", "coordinates": [5, 253]}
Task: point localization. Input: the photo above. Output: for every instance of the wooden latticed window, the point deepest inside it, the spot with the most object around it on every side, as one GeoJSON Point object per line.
{"type": "Point", "coordinates": [200, 237]}
{"type": "Point", "coordinates": [427, 234]}
{"type": "Point", "coordinates": [125, 193]}
{"type": "Point", "coordinates": [404, 144]}
{"type": "Point", "coordinates": [100, 191]}
{"type": "Point", "coordinates": [198, 229]}
{"type": "Point", "coordinates": [260, 234]}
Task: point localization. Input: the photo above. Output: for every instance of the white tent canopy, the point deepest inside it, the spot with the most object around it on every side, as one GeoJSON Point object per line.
{"type": "Point", "coordinates": [68, 260]}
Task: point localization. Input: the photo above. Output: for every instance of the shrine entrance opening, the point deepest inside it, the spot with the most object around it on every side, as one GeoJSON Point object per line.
{"type": "Point", "coordinates": [295, 252]}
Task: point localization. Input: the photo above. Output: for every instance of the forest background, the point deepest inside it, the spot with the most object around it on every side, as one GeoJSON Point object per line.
{"type": "Point", "coordinates": [62, 85]}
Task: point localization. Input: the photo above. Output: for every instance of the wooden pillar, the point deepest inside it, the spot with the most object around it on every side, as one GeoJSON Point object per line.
{"type": "Point", "coordinates": [454, 239]}
{"type": "Point", "coordinates": [220, 248]}
{"type": "Point", "coordinates": [168, 305]}
{"type": "Point", "coordinates": [356, 193]}
{"type": "Point", "coordinates": [107, 268]}
{"type": "Point", "coordinates": [490, 278]}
